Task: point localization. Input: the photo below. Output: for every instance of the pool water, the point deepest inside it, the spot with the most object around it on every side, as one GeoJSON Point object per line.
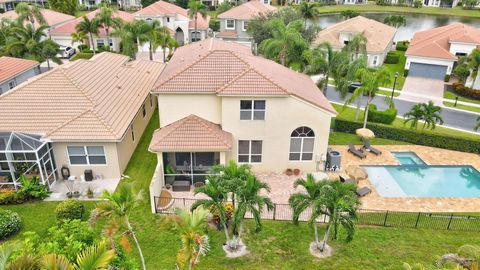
{"type": "Point", "coordinates": [408, 158]}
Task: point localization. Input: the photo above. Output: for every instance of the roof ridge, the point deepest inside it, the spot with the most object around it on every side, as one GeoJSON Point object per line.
{"type": "Point", "coordinates": [67, 122]}
{"type": "Point", "coordinates": [234, 79]}
{"type": "Point", "coordinates": [206, 123]}
{"type": "Point", "coordinates": [74, 83]}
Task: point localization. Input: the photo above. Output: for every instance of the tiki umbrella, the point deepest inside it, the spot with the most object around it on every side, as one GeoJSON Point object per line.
{"type": "Point", "coordinates": [365, 133]}
{"type": "Point", "coordinates": [356, 172]}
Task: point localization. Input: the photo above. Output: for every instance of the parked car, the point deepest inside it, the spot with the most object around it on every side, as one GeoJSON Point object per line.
{"type": "Point", "coordinates": [66, 52]}
{"type": "Point", "coordinates": [353, 86]}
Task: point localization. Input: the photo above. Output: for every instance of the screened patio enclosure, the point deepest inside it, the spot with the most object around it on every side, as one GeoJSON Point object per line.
{"type": "Point", "coordinates": [189, 166]}
{"type": "Point", "coordinates": [25, 154]}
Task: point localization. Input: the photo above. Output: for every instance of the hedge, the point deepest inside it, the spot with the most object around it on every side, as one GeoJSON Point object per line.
{"type": "Point", "coordinates": [10, 223]}
{"type": "Point", "coordinates": [411, 136]}
{"type": "Point", "coordinates": [384, 117]}
{"type": "Point", "coordinates": [464, 91]}
{"type": "Point", "coordinates": [402, 46]}
{"type": "Point", "coordinates": [68, 210]}
{"type": "Point", "coordinates": [82, 55]}
{"type": "Point", "coordinates": [392, 58]}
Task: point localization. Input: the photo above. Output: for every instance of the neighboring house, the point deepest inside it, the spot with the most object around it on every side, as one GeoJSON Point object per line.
{"type": "Point", "coordinates": [247, 109]}
{"type": "Point", "coordinates": [351, 2]}
{"type": "Point", "coordinates": [61, 34]}
{"type": "Point", "coordinates": [234, 22]}
{"type": "Point", "coordinates": [53, 18]}
{"type": "Point", "coordinates": [84, 115]}
{"type": "Point", "coordinates": [177, 20]}
{"type": "Point", "coordinates": [433, 53]}
{"type": "Point", "coordinates": [14, 71]}
{"type": "Point", "coordinates": [124, 4]}
{"type": "Point", "coordinates": [379, 37]}
{"type": "Point", "coordinates": [7, 5]}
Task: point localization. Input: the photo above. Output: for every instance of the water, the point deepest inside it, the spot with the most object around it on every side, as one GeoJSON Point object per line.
{"type": "Point", "coordinates": [415, 22]}
{"type": "Point", "coordinates": [425, 181]}
{"type": "Point", "coordinates": [408, 158]}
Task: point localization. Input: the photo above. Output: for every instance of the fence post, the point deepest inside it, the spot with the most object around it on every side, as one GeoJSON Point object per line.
{"type": "Point", "coordinates": [385, 221]}
{"type": "Point", "coordinates": [418, 218]}
{"type": "Point", "coordinates": [450, 221]}
{"type": "Point", "coordinates": [274, 210]}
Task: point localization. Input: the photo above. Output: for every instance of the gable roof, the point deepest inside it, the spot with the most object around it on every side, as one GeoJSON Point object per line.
{"type": "Point", "coordinates": [92, 99]}
{"type": "Point", "coordinates": [69, 27]}
{"type": "Point", "coordinates": [436, 42]}
{"type": "Point", "coordinates": [163, 8]}
{"type": "Point", "coordinates": [379, 35]}
{"type": "Point", "coordinates": [11, 67]}
{"type": "Point", "coordinates": [191, 133]}
{"type": "Point", "coordinates": [52, 18]}
{"type": "Point", "coordinates": [247, 10]}
{"type": "Point", "coordinates": [219, 67]}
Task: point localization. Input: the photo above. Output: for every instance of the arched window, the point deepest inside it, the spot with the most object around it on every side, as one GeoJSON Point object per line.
{"type": "Point", "coordinates": [301, 144]}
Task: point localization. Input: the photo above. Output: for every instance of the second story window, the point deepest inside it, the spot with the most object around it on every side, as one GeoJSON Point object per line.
{"type": "Point", "coordinates": [252, 109]}
{"type": "Point", "coordinates": [230, 24]}
{"type": "Point", "coordinates": [245, 25]}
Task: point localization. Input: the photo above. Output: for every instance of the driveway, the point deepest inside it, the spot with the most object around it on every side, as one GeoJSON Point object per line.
{"type": "Point", "coordinates": [421, 89]}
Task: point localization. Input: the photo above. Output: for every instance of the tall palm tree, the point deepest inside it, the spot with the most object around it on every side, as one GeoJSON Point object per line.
{"type": "Point", "coordinates": [395, 20]}
{"type": "Point", "coordinates": [30, 13]}
{"type": "Point", "coordinates": [414, 116]}
{"type": "Point", "coordinates": [128, 39]}
{"type": "Point", "coordinates": [107, 20]}
{"type": "Point", "coordinates": [78, 37]}
{"type": "Point", "coordinates": [431, 115]}
{"type": "Point", "coordinates": [165, 41]}
{"type": "Point", "coordinates": [357, 45]}
{"type": "Point", "coordinates": [308, 10]}
{"type": "Point", "coordinates": [26, 42]}
{"type": "Point", "coordinates": [345, 72]}
{"type": "Point", "coordinates": [462, 70]}
{"type": "Point", "coordinates": [153, 36]}
{"type": "Point", "coordinates": [473, 63]}
{"type": "Point", "coordinates": [370, 83]}
{"type": "Point", "coordinates": [477, 126]}
{"type": "Point", "coordinates": [118, 207]}
{"type": "Point", "coordinates": [195, 8]}
{"type": "Point", "coordinates": [232, 176]}
{"type": "Point", "coordinates": [323, 59]}
{"type": "Point", "coordinates": [191, 228]}
{"type": "Point", "coordinates": [50, 51]}
{"type": "Point", "coordinates": [90, 28]}
{"type": "Point", "coordinates": [285, 41]}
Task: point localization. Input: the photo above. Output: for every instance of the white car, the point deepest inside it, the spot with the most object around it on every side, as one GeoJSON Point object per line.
{"type": "Point", "coordinates": [67, 52]}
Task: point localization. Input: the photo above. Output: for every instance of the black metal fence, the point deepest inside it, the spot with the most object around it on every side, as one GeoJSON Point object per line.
{"type": "Point", "coordinates": [438, 221]}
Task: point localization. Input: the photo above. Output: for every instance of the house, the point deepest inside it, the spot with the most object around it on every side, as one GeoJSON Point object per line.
{"type": "Point", "coordinates": [14, 71]}
{"type": "Point", "coordinates": [248, 109]}
{"type": "Point", "coordinates": [8, 5]}
{"type": "Point", "coordinates": [433, 53]}
{"type": "Point", "coordinates": [53, 18]}
{"type": "Point", "coordinates": [351, 2]}
{"type": "Point", "coordinates": [379, 37]}
{"type": "Point", "coordinates": [84, 115]}
{"type": "Point", "coordinates": [62, 34]}
{"type": "Point", "coordinates": [234, 22]}
{"type": "Point", "coordinates": [177, 20]}
{"type": "Point", "coordinates": [123, 4]}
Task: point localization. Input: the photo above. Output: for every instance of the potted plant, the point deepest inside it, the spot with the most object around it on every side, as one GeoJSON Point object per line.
{"type": "Point", "coordinates": [168, 186]}
{"type": "Point", "coordinates": [69, 195]}
{"type": "Point", "coordinates": [169, 170]}
{"type": "Point", "coordinates": [89, 193]}
{"type": "Point", "coordinates": [288, 172]}
{"type": "Point", "coordinates": [296, 172]}
{"type": "Point", "coordinates": [76, 194]}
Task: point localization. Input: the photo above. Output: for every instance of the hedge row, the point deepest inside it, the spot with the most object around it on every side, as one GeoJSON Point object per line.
{"type": "Point", "coordinates": [411, 136]}
{"type": "Point", "coordinates": [402, 46]}
{"type": "Point", "coordinates": [392, 58]}
{"type": "Point", "coordinates": [384, 117]}
{"type": "Point", "coordinates": [82, 55]}
{"type": "Point", "coordinates": [464, 91]}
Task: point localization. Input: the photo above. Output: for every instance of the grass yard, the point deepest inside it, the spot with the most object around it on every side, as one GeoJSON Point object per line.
{"type": "Point", "coordinates": [451, 95]}
{"type": "Point", "coordinates": [457, 11]}
{"type": "Point", "coordinates": [398, 67]}
{"type": "Point", "coordinates": [462, 107]}
{"type": "Point", "coordinates": [341, 138]}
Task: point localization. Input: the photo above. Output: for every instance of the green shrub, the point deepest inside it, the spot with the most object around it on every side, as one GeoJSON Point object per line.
{"type": "Point", "coordinates": [82, 55]}
{"type": "Point", "coordinates": [384, 117]}
{"type": "Point", "coordinates": [10, 196]}
{"type": "Point", "coordinates": [446, 78]}
{"type": "Point", "coordinates": [402, 45]}
{"type": "Point", "coordinates": [214, 24]}
{"type": "Point", "coordinates": [31, 189]}
{"type": "Point", "coordinates": [392, 58]}
{"type": "Point", "coordinates": [411, 136]}
{"type": "Point", "coordinates": [68, 210]}
{"type": "Point", "coordinates": [417, 4]}
{"type": "Point", "coordinates": [405, 73]}
{"type": "Point", "coordinates": [82, 47]}
{"type": "Point", "coordinates": [464, 91]}
{"type": "Point", "coordinates": [382, 3]}
{"type": "Point", "coordinates": [10, 223]}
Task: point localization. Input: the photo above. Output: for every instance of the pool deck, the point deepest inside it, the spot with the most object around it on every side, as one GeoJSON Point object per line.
{"type": "Point", "coordinates": [430, 155]}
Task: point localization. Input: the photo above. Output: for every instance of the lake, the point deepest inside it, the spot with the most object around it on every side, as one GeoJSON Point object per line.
{"type": "Point", "coordinates": [415, 22]}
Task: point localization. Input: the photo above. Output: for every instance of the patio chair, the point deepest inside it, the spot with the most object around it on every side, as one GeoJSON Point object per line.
{"type": "Point", "coordinates": [367, 146]}
{"type": "Point", "coordinates": [363, 191]}
{"type": "Point", "coordinates": [356, 152]}
{"type": "Point", "coordinates": [348, 180]}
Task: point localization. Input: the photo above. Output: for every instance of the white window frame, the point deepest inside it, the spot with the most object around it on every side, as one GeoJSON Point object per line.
{"type": "Point", "coordinates": [86, 155]}
{"type": "Point", "coordinates": [226, 24]}
{"type": "Point", "coordinates": [253, 110]}
{"type": "Point", "coordinates": [302, 139]}
{"type": "Point", "coordinates": [375, 60]}
{"type": "Point", "coordinates": [249, 154]}
{"type": "Point", "coordinates": [98, 45]}
{"type": "Point", "coordinates": [243, 26]}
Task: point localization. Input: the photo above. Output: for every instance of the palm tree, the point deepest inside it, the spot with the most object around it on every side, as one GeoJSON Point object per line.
{"type": "Point", "coordinates": [323, 59]}
{"type": "Point", "coordinates": [357, 45]}
{"type": "Point", "coordinates": [232, 176]}
{"type": "Point", "coordinates": [473, 63]}
{"type": "Point", "coordinates": [128, 43]}
{"type": "Point", "coordinates": [308, 11]}
{"type": "Point", "coordinates": [196, 7]}
{"type": "Point", "coordinates": [462, 70]}
{"type": "Point", "coordinates": [107, 20]}
{"type": "Point", "coordinates": [78, 37]}
{"type": "Point", "coordinates": [153, 35]}
{"type": "Point", "coordinates": [395, 20]}
{"type": "Point", "coordinates": [50, 51]}
{"type": "Point", "coordinates": [414, 115]}
{"type": "Point", "coordinates": [30, 13]}
{"type": "Point", "coordinates": [477, 126]}
{"type": "Point", "coordinates": [431, 115]}
{"type": "Point", "coordinates": [118, 207]}
{"type": "Point", "coordinates": [166, 41]}
{"type": "Point", "coordinates": [26, 42]}
{"type": "Point", "coordinates": [90, 28]}
{"type": "Point", "coordinates": [191, 228]}
{"type": "Point", "coordinates": [286, 39]}
{"type": "Point", "coordinates": [370, 83]}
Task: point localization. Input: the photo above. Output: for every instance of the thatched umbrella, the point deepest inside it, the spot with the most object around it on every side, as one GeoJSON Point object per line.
{"type": "Point", "coordinates": [356, 172]}
{"type": "Point", "coordinates": [365, 133]}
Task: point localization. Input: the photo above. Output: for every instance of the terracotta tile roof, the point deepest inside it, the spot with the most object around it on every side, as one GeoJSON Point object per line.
{"type": "Point", "coordinates": [69, 27]}
{"type": "Point", "coordinates": [228, 34]}
{"type": "Point", "coordinates": [191, 133]}
{"type": "Point", "coordinates": [163, 8]}
{"type": "Point", "coordinates": [247, 11]}
{"type": "Point", "coordinates": [378, 35]}
{"type": "Point", "coordinates": [10, 67]}
{"type": "Point", "coordinates": [53, 18]}
{"type": "Point", "coordinates": [227, 68]}
{"type": "Point", "coordinates": [436, 42]}
{"type": "Point", "coordinates": [92, 99]}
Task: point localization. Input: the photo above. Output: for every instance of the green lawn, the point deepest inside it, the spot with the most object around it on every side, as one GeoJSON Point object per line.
{"type": "Point", "coordinates": [451, 95]}
{"type": "Point", "coordinates": [341, 138]}
{"type": "Point", "coordinates": [81, 13]}
{"type": "Point", "coordinates": [462, 107]}
{"type": "Point", "coordinates": [457, 11]}
{"type": "Point", "coordinates": [398, 67]}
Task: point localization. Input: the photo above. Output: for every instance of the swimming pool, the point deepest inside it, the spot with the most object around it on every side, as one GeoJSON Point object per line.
{"type": "Point", "coordinates": [416, 179]}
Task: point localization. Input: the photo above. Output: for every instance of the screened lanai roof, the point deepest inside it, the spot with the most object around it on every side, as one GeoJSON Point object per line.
{"type": "Point", "coordinates": [17, 141]}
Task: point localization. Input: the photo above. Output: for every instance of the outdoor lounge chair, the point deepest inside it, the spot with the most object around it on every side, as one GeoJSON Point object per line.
{"type": "Point", "coordinates": [357, 152]}
{"type": "Point", "coordinates": [349, 180]}
{"type": "Point", "coordinates": [367, 146]}
{"type": "Point", "coordinates": [363, 191]}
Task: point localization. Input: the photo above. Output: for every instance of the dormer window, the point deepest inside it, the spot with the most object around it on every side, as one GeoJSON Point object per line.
{"type": "Point", "coordinates": [230, 24]}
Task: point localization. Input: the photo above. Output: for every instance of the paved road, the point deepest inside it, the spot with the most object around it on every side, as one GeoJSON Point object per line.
{"type": "Point", "coordinates": [452, 118]}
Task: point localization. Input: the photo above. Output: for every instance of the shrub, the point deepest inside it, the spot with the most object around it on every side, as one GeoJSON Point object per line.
{"type": "Point", "coordinates": [402, 45]}
{"type": "Point", "coordinates": [446, 78]}
{"type": "Point", "coordinates": [10, 196]}
{"type": "Point", "coordinates": [214, 25]}
{"type": "Point", "coordinates": [383, 3]}
{"type": "Point", "coordinates": [417, 4]}
{"type": "Point", "coordinates": [384, 117]}
{"type": "Point", "coordinates": [464, 91]}
{"type": "Point", "coordinates": [82, 55]}
{"type": "Point", "coordinates": [32, 189]}
{"type": "Point", "coordinates": [10, 223]}
{"type": "Point", "coordinates": [392, 58]}
{"type": "Point", "coordinates": [411, 136]}
{"type": "Point", "coordinates": [68, 210]}
{"type": "Point", "coordinates": [82, 47]}
{"type": "Point", "coordinates": [405, 73]}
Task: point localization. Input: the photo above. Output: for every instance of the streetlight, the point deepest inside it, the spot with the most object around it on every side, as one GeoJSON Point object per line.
{"type": "Point", "coordinates": [393, 87]}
